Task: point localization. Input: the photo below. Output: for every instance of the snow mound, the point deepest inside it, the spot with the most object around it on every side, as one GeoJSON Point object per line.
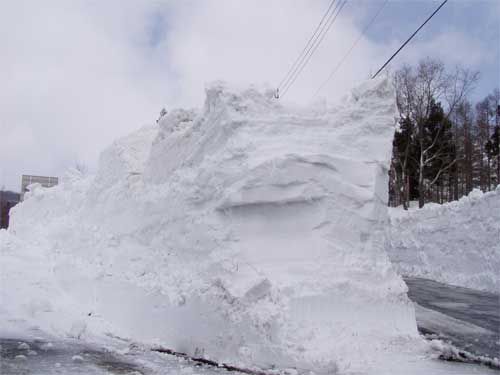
{"type": "Point", "coordinates": [456, 243]}
{"type": "Point", "coordinates": [246, 232]}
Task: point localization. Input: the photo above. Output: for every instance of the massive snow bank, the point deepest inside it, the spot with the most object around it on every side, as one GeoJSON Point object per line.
{"type": "Point", "coordinates": [457, 243]}
{"type": "Point", "coordinates": [248, 232]}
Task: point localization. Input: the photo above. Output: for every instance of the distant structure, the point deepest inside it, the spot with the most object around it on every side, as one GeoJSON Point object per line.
{"type": "Point", "coordinates": [8, 199]}
{"type": "Point", "coordinates": [42, 180]}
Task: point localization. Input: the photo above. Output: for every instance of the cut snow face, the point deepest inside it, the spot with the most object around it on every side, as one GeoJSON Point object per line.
{"type": "Point", "coordinates": [456, 243]}
{"type": "Point", "coordinates": [247, 232]}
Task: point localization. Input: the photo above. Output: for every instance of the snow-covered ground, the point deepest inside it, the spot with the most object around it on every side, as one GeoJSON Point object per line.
{"type": "Point", "coordinates": [456, 243]}
{"type": "Point", "coordinates": [247, 232]}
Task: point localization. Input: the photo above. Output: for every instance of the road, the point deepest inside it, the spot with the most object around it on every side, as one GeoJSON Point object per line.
{"type": "Point", "coordinates": [470, 319]}
{"type": "Point", "coordinates": [33, 354]}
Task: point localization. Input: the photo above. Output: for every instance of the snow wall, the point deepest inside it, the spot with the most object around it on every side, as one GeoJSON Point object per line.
{"type": "Point", "coordinates": [456, 243]}
{"type": "Point", "coordinates": [247, 232]}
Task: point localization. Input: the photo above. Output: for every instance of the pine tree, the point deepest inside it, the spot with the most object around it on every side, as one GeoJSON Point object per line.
{"type": "Point", "coordinates": [495, 150]}
{"type": "Point", "coordinates": [404, 148]}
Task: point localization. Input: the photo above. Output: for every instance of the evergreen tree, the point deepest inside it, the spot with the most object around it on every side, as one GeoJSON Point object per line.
{"type": "Point", "coordinates": [403, 156]}
{"type": "Point", "coordinates": [494, 150]}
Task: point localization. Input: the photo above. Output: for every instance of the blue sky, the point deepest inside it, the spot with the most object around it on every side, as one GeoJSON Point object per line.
{"type": "Point", "coordinates": [479, 20]}
{"type": "Point", "coordinates": [76, 75]}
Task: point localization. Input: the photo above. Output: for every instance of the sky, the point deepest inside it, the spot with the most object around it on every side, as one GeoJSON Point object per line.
{"type": "Point", "coordinates": [75, 75]}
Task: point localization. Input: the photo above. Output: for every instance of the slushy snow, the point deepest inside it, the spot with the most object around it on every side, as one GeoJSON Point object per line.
{"type": "Point", "coordinates": [248, 232]}
{"type": "Point", "coordinates": [456, 243]}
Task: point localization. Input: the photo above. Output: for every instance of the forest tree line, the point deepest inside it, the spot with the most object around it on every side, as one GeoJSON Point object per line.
{"type": "Point", "coordinates": [445, 146]}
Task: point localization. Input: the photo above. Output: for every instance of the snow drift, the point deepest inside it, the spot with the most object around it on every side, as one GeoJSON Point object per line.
{"type": "Point", "coordinates": [247, 232]}
{"type": "Point", "coordinates": [456, 243]}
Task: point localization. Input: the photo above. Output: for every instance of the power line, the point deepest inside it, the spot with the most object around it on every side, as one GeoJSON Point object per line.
{"type": "Point", "coordinates": [410, 38]}
{"type": "Point", "coordinates": [313, 36]}
{"type": "Point", "coordinates": [314, 48]}
{"type": "Point", "coordinates": [319, 36]}
{"type": "Point", "coordinates": [344, 58]}
{"type": "Point", "coordinates": [331, 21]}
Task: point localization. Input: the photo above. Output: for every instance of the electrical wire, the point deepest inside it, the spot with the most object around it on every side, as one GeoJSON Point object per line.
{"type": "Point", "coordinates": [313, 36]}
{"type": "Point", "coordinates": [344, 58]}
{"type": "Point", "coordinates": [333, 17]}
{"type": "Point", "coordinates": [305, 57]}
{"type": "Point", "coordinates": [410, 38]}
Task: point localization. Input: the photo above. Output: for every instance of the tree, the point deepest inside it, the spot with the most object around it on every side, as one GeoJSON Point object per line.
{"type": "Point", "coordinates": [420, 92]}
{"type": "Point", "coordinates": [494, 149]}
{"type": "Point", "coordinates": [483, 143]}
{"type": "Point", "coordinates": [438, 139]}
{"type": "Point", "coordinates": [402, 158]}
{"type": "Point", "coordinates": [463, 121]}
{"type": "Point", "coordinates": [494, 100]}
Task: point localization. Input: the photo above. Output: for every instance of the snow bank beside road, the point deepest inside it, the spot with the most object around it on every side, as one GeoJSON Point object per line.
{"type": "Point", "coordinates": [247, 232]}
{"type": "Point", "coordinates": [456, 243]}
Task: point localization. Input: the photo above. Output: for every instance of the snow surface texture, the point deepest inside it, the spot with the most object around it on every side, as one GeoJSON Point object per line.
{"type": "Point", "coordinates": [248, 232]}
{"type": "Point", "coordinates": [456, 243]}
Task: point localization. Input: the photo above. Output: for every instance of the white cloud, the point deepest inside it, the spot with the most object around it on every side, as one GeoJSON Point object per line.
{"type": "Point", "coordinates": [74, 76]}
{"type": "Point", "coordinates": [453, 47]}
{"type": "Point", "coordinates": [77, 74]}
{"type": "Point", "coordinates": [256, 42]}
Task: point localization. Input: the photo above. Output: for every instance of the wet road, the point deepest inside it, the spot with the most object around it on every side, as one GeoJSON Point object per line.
{"type": "Point", "coordinates": [29, 356]}
{"type": "Point", "coordinates": [45, 356]}
{"type": "Point", "coordinates": [470, 319]}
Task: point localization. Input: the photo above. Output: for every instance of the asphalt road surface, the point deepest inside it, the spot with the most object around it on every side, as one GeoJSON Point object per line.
{"type": "Point", "coordinates": [50, 356]}
{"type": "Point", "coordinates": [468, 318]}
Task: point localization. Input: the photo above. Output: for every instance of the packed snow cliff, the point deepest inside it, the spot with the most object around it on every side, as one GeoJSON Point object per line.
{"type": "Point", "coordinates": [247, 232]}
{"type": "Point", "coordinates": [456, 243]}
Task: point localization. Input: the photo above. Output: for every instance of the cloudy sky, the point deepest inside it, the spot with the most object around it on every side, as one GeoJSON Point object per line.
{"type": "Point", "coordinates": [74, 75]}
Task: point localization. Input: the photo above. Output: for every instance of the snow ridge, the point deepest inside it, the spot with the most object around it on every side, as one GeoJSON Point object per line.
{"type": "Point", "coordinates": [246, 232]}
{"type": "Point", "coordinates": [456, 243]}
